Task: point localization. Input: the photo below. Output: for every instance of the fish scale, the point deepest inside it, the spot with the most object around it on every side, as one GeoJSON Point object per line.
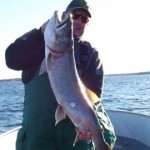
{"type": "Point", "coordinates": [65, 82]}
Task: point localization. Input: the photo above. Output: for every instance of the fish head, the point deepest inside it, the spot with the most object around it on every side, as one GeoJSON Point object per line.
{"type": "Point", "coordinates": [58, 34]}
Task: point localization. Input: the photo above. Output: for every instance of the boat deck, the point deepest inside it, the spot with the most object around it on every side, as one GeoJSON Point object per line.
{"type": "Point", "coordinates": [124, 143]}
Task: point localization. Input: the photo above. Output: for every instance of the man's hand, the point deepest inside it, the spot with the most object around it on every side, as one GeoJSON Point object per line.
{"type": "Point", "coordinates": [43, 27]}
{"type": "Point", "coordinates": [83, 135]}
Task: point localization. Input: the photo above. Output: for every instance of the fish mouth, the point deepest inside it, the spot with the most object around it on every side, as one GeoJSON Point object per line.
{"type": "Point", "coordinates": [64, 21]}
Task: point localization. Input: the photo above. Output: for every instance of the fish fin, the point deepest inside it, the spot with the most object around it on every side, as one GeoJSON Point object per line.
{"type": "Point", "coordinates": [59, 114]}
{"type": "Point", "coordinates": [43, 67]}
{"type": "Point", "coordinates": [49, 62]}
{"type": "Point", "coordinates": [76, 139]}
{"type": "Point", "coordinates": [108, 148]}
{"type": "Point", "coordinates": [91, 95]}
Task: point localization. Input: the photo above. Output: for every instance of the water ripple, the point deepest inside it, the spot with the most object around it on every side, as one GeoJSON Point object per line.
{"type": "Point", "coordinates": [130, 93]}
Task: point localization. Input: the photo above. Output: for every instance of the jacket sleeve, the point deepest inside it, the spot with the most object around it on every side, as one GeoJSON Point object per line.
{"type": "Point", "coordinates": [20, 53]}
{"type": "Point", "coordinates": [93, 76]}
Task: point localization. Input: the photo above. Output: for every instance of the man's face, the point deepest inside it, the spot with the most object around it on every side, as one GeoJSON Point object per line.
{"type": "Point", "coordinates": [80, 22]}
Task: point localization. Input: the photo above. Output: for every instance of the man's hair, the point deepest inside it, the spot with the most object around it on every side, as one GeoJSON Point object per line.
{"type": "Point", "coordinates": [75, 4]}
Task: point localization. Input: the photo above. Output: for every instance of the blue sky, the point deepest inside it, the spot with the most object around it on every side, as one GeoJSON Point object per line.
{"type": "Point", "coordinates": [119, 29]}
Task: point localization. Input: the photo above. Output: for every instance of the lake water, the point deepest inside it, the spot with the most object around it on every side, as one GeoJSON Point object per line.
{"type": "Point", "coordinates": [125, 93]}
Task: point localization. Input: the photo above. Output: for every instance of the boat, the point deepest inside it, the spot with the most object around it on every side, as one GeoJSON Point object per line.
{"type": "Point", "coordinates": [132, 130]}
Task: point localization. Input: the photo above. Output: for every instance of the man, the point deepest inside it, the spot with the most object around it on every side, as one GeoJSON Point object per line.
{"type": "Point", "coordinates": [38, 130]}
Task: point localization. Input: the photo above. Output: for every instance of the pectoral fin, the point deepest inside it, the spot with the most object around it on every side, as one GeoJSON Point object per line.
{"type": "Point", "coordinates": [92, 96]}
{"type": "Point", "coordinates": [43, 67]}
{"type": "Point", "coordinates": [49, 62]}
{"type": "Point", "coordinates": [46, 64]}
{"type": "Point", "coordinates": [76, 139]}
{"type": "Point", "coordinates": [59, 114]}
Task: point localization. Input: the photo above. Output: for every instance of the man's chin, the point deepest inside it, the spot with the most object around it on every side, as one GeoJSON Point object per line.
{"type": "Point", "coordinates": [77, 36]}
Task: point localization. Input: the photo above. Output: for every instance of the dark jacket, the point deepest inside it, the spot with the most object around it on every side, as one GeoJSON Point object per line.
{"type": "Point", "coordinates": [27, 53]}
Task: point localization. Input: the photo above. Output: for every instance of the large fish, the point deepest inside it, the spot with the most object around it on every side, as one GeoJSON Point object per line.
{"type": "Point", "coordinates": [65, 82]}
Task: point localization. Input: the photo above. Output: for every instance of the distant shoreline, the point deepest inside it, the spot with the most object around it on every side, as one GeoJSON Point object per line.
{"type": "Point", "coordinates": [122, 74]}
{"type": "Point", "coordinates": [15, 79]}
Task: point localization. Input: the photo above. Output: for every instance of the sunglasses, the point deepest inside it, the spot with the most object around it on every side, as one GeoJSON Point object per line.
{"type": "Point", "coordinates": [76, 16]}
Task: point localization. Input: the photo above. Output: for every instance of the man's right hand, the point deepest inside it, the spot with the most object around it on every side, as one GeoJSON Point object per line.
{"type": "Point", "coordinates": [43, 27]}
{"type": "Point", "coordinates": [83, 135]}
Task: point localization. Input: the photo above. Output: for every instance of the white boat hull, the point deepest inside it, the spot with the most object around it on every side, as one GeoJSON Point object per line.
{"type": "Point", "coordinates": [131, 125]}
{"type": "Point", "coordinates": [8, 139]}
{"type": "Point", "coordinates": [127, 125]}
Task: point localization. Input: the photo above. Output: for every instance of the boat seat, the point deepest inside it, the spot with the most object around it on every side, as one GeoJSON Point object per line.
{"type": "Point", "coordinates": [124, 143]}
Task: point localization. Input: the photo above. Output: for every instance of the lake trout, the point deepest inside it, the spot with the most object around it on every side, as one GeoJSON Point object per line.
{"type": "Point", "coordinates": [68, 89]}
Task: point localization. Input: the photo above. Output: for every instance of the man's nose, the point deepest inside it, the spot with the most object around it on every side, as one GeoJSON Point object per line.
{"type": "Point", "coordinates": [79, 20]}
